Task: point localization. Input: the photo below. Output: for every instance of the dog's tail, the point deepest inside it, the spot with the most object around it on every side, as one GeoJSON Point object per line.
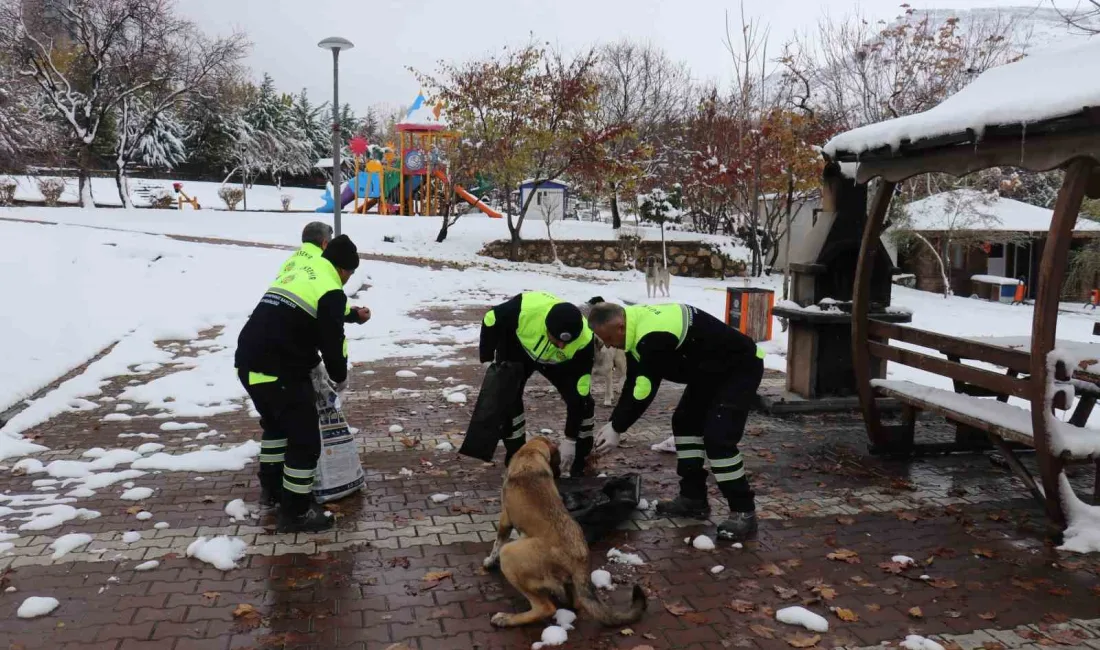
{"type": "Point", "coordinates": [590, 604]}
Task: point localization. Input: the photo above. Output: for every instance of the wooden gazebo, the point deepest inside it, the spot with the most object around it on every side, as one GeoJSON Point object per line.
{"type": "Point", "coordinates": [1040, 113]}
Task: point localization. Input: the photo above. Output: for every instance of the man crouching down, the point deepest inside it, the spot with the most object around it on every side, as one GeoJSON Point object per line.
{"type": "Point", "coordinates": [721, 368]}
{"type": "Point", "coordinates": [545, 333]}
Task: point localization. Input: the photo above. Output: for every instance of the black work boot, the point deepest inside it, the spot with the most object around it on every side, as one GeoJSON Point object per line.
{"type": "Point", "coordinates": [313, 519]}
{"type": "Point", "coordinates": [684, 508]}
{"type": "Point", "coordinates": [738, 527]}
{"type": "Point", "coordinates": [271, 488]}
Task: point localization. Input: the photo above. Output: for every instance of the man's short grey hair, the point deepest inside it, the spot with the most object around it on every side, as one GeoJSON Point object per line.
{"type": "Point", "coordinates": [605, 313]}
{"type": "Point", "coordinates": [317, 233]}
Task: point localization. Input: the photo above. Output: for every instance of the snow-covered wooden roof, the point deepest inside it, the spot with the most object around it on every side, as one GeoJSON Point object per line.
{"type": "Point", "coordinates": [1053, 84]}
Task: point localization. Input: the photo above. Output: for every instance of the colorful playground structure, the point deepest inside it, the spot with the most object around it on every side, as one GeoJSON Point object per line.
{"type": "Point", "coordinates": [409, 178]}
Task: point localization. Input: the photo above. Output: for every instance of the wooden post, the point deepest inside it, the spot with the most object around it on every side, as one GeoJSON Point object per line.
{"type": "Point", "coordinates": [1044, 325]}
{"type": "Point", "coordinates": [861, 298]}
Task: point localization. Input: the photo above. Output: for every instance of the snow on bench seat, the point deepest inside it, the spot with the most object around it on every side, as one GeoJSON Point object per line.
{"type": "Point", "coordinates": [1005, 420]}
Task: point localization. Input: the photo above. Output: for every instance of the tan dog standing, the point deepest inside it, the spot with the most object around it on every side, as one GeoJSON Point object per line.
{"type": "Point", "coordinates": [550, 559]}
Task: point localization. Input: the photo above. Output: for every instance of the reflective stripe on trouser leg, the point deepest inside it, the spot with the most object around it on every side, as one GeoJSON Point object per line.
{"type": "Point", "coordinates": [689, 448]}
{"type": "Point", "coordinates": [298, 481]}
{"type": "Point", "coordinates": [690, 459]}
{"type": "Point", "coordinates": [728, 469]}
{"type": "Point", "coordinates": [272, 451]}
{"type": "Point", "coordinates": [519, 427]}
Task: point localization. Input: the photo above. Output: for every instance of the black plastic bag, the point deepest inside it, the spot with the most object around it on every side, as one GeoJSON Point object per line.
{"type": "Point", "coordinates": [499, 390]}
{"type": "Point", "coordinates": [600, 504]}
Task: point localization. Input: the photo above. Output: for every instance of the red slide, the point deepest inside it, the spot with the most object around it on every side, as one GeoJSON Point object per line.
{"type": "Point", "coordinates": [469, 198]}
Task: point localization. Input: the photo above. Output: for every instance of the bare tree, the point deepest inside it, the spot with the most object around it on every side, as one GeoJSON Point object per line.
{"type": "Point", "coordinates": [1085, 17]}
{"type": "Point", "coordinates": [548, 207]}
{"type": "Point", "coordinates": [89, 57]}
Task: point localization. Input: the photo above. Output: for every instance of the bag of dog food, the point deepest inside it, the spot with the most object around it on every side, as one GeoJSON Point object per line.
{"type": "Point", "coordinates": [339, 472]}
{"type": "Point", "coordinates": [499, 390]}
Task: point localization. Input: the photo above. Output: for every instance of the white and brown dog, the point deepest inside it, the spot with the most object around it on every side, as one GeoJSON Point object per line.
{"type": "Point", "coordinates": [656, 277]}
{"type": "Point", "coordinates": [609, 361]}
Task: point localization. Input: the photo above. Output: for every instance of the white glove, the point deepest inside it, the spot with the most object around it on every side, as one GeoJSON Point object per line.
{"type": "Point", "coordinates": [340, 387]}
{"type": "Point", "coordinates": [606, 440]}
{"type": "Point", "coordinates": [568, 451]}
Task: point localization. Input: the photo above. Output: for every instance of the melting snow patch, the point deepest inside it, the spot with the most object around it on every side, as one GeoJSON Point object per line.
{"type": "Point", "coordinates": [161, 525]}
{"type": "Point", "coordinates": [565, 618]}
{"type": "Point", "coordinates": [643, 504]}
{"type": "Point", "coordinates": [36, 606]}
{"type": "Point", "coordinates": [237, 510]}
{"type": "Point", "coordinates": [131, 537]}
{"type": "Point", "coordinates": [1082, 534]}
{"type": "Point", "coordinates": [136, 494]}
{"type": "Point", "coordinates": [440, 498]}
{"type": "Point", "coordinates": [917, 642]}
{"type": "Point", "coordinates": [115, 417]}
{"type": "Point", "coordinates": [618, 557]}
{"type": "Point", "coordinates": [67, 543]}
{"type": "Point", "coordinates": [551, 636]}
{"type": "Point", "coordinates": [600, 580]}
{"type": "Point", "coordinates": [903, 559]}
{"type": "Point", "coordinates": [48, 517]}
{"type": "Point", "coordinates": [143, 515]}
{"type": "Point", "coordinates": [717, 569]}
{"type": "Point", "coordinates": [233, 459]}
{"type": "Point", "coordinates": [147, 566]}
{"type": "Point", "coordinates": [221, 552]}
{"type": "Point", "coordinates": [703, 543]}
{"type": "Point", "coordinates": [804, 617]}
{"type": "Point", "coordinates": [146, 436]}
{"type": "Point", "coordinates": [431, 380]}
{"type": "Point", "coordinates": [396, 428]}
{"type": "Point", "coordinates": [181, 426]}
{"type": "Point", "coordinates": [444, 446]}
{"type": "Point", "coordinates": [406, 374]}
{"type": "Point", "coordinates": [405, 471]}
{"type": "Point", "coordinates": [149, 448]}
{"type": "Point", "coordinates": [457, 398]}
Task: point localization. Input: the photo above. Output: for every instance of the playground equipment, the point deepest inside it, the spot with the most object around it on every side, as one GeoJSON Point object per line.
{"type": "Point", "coordinates": [181, 198]}
{"type": "Point", "coordinates": [417, 183]}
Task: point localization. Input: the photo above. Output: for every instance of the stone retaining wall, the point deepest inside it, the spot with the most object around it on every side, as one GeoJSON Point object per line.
{"type": "Point", "coordinates": [685, 258]}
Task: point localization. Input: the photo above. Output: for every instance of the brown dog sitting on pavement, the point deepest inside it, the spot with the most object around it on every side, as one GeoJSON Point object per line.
{"type": "Point", "coordinates": [550, 559]}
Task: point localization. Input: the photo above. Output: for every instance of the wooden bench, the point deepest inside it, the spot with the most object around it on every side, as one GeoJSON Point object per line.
{"type": "Point", "coordinates": [1008, 427]}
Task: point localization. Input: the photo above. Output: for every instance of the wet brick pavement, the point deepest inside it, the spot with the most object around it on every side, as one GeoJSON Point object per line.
{"type": "Point", "coordinates": [987, 575]}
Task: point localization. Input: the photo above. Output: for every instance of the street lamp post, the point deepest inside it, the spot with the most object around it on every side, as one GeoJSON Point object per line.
{"type": "Point", "coordinates": [335, 43]}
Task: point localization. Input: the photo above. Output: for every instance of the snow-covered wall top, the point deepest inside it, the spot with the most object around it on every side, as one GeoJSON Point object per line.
{"type": "Point", "coordinates": [1049, 84]}
{"type": "Point", "coordinates": [992, 213]}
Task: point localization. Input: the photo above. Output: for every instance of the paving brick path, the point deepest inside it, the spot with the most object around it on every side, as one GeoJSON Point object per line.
{"type": "Point", "coordinates": [987, 575]}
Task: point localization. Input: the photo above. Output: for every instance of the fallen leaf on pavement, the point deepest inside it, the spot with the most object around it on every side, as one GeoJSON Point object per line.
{"type": "Point", "coordinates": [987, 616]}
{"type": "Point", "coordinates": [844, 555]}
{"type": "Point", "coordinates": [211, 595]}
{"type": "Point", "coordinates": [1026, 585]}
{"type": "Point", "coordinates": [400, 561]}
{"type": "Point", "coordinates": [408, 442]}
{"type": "Point", "coordinates": [770, 569]}
{"type": "Point", "coordinates": [432, 579]}
{"type": "Point", "coordinates": [1055, 617]}
{"type": "Point", "coordinates": [803, 641]}
{"type": "Point", "coordinates": [465, 510]}
{"type": "Point", "coordinates": [626, 631]}
{"type": "Point", "coordinates": [785, 593]}
{"type": "Point", "coordinates": [762, 631]}
{"type": "Point", "coordinates": [873, 607]}
{"type": "Point", "coordinates": [696, 618]}
{"type": "Point", "coordinates": [992, 645]}
{"type": "Point", "coordinates": [133, 510]}
{"type": "Point", "coordinates": [846, 615]}
{"type": "Point", "coordinates": [906, 515]}
{"type": "Point", "coordinates": [983, 552]}
{"type": "Point", "coordinates": [1060, 591]}
{"type": "Point", "coordinates": [742, 606]}
{"type": "Point", "coordinates": [677, 608]}
{"type": "Point", "coordinates": [793, 563]}
{"type": "Point", "coordinates": [1067, 637]}
{"type": "Point", "coordinates": [247, 616]}
{"type": "Point", "coordinates": [943, 583]}
{"type": "Point", "coordinates": [893, 567]}
{"type": "Point", "coordinates": [845, 521]}
{"type": "Point", "coordinates": [642, 647]}
{"type": "Point", "coordinates": [825, 591]}
{"type": "Point", "coordinates": [651, 637]}
{"type": "Point", "coordinates": [916, 612]}
{"type": "Point", "coordinates": [398, 646]}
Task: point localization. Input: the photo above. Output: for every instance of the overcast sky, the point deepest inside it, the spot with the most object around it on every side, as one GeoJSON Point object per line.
{"type": "Point", "coordinates": [392, 35]}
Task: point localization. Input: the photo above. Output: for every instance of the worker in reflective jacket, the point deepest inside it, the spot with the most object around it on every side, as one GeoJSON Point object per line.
{"type": "Point", "coordinates": [302, 313]}
{"type": "Point", "coordinates": [721, 368]}
{"type": "Point", "coordinates": [550, 335]}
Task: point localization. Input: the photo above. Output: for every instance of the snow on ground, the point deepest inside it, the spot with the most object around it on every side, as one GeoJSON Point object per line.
{"type": "Point", "coordinates": [618, 557]}
{"type": "Point", "coordinates": [601, 579]}
{"type": "Point", "coordinates": [221, 552]}
{"type": "Point", "coordinates": [68, 543]}
{"type": "Point", "coordinates": [36, 606]}
{"type": "Point", "coordinates": [804, 617]}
